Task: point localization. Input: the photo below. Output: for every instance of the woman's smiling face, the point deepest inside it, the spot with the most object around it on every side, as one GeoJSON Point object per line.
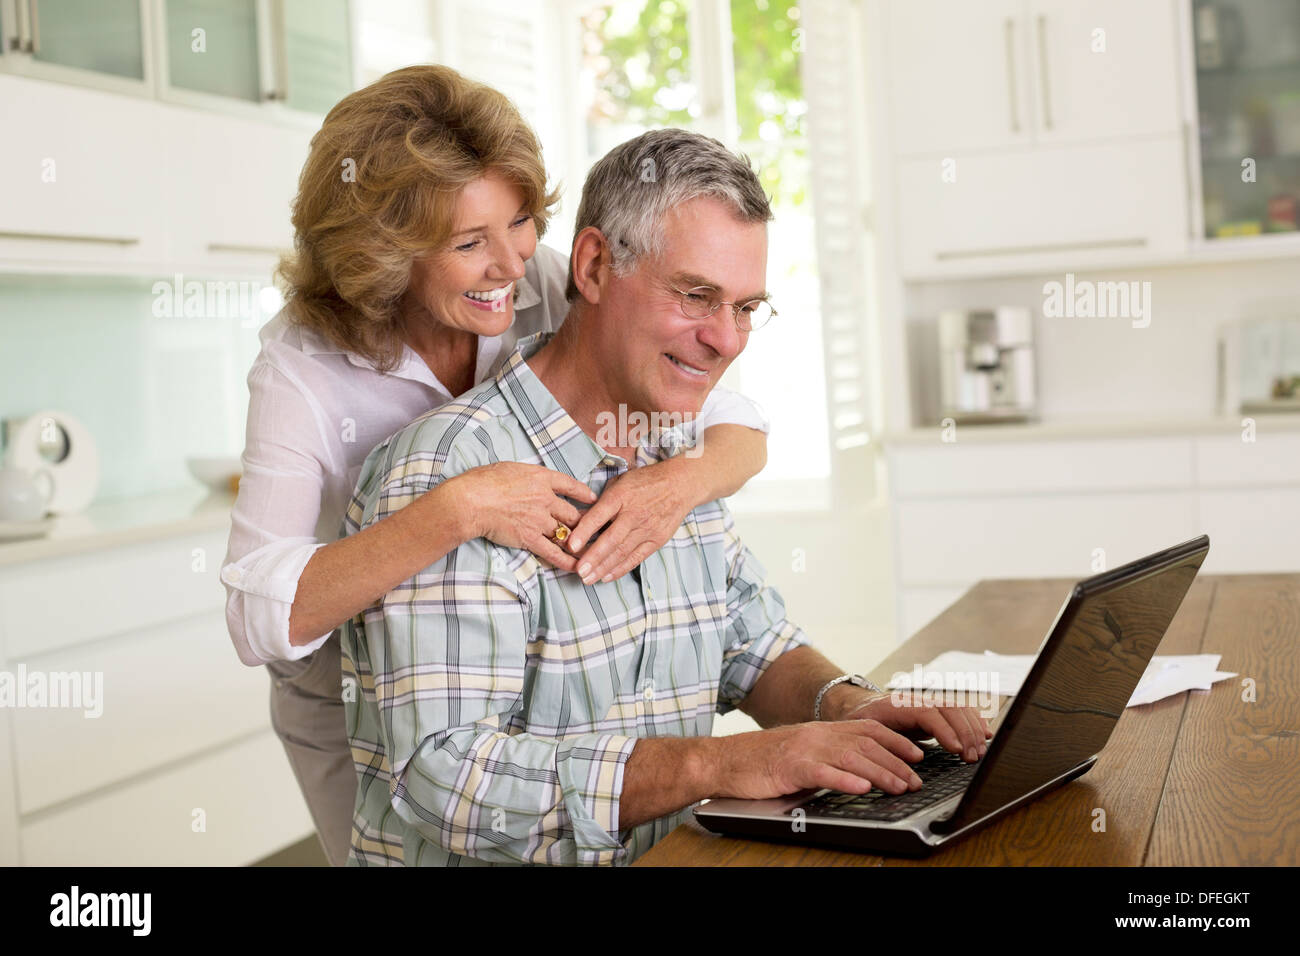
{"type": "Point", "coordinates": [470, 284]}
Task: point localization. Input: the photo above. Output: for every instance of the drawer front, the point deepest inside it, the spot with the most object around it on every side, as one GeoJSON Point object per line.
{"type": "Point", "coordinates": [167, 692]}
{"type": "Point", "coordinates": [252, 808]}
{"type": "Point", "coordinates": [943, 543]}
{"type": "Point", "coordinates": [942, 470]}
{"type": "Point", "coordinates": [1271, 459]}
{"type": "Point", "coordinates": [1251, 531]}
{"type": "Point", "coordinates": [64, 601]}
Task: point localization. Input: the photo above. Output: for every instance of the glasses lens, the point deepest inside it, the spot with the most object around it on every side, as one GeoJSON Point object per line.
{"type": "Point", "coordinates": [699, 303]}
{"type": "Point", "coordinates": [754, 315]}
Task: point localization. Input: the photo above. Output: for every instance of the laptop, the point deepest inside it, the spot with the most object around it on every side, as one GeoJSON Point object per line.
{"type": "Point", "coordinates": [1052, 732]}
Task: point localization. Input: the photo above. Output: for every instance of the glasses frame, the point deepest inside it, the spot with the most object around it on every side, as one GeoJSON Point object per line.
{"type": "Point", "coordinates": [735, 307]}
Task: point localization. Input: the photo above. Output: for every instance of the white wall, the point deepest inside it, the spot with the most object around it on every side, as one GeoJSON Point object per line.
{"type": "Point", "coordinates": [1106, 367]}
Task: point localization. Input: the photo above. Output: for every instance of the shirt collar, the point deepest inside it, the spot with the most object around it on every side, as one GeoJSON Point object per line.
{"type": "Point", "coordinates": [561, 444]}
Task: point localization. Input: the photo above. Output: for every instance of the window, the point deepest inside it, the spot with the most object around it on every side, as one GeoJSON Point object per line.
{"type": "Point", "coordinates": [731, 72]}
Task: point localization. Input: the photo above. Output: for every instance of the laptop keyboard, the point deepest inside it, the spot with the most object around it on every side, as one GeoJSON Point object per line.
{"type": "Point", "coordinates": [942, 774]}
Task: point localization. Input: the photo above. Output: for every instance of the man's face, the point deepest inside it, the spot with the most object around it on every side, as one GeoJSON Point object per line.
{"type": "Point", "coordinates": [656, 357]}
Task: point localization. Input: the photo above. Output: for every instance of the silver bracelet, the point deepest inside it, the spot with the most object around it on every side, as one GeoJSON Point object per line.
{"type": "Point", "coordinates": [855, 679]}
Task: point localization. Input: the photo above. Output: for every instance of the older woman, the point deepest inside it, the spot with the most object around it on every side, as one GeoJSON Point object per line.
{"type": "Point", "coordinates": [416, 269]}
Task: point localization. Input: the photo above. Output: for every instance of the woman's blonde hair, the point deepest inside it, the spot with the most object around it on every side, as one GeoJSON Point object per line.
{"type": "Point", "coordinates": [379, 189]}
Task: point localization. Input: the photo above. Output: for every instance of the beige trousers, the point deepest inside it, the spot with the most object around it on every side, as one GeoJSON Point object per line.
{"type": "Point", "coordinates": [307, 714]}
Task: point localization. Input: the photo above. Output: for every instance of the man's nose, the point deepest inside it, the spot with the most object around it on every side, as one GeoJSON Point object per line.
{"type": "Point", "coordinates": [719, 333]}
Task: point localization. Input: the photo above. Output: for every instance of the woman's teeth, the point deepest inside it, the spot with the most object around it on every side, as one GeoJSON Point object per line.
{"type": "Point", "coordinates": [496, 295]}
{"type": "Point", "coordinates": [687, 368]}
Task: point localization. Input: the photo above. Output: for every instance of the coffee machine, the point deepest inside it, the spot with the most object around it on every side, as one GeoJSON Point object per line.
{"type": "Point", "coordinates": [986, 365]}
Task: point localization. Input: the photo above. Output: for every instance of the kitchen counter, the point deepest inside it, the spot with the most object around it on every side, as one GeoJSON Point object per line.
{"type": "Point", "coordinates": [1127, 427]}
{"type": "Point", "coordinates": [113, 522]}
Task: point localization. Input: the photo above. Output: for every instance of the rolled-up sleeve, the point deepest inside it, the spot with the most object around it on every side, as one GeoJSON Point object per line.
{"type": "Point", "coordinates": [448, 653]}
{"type": "Point", "coordinates": [725, 407]}
{"type": "Point", "coordinates": [758, 631]}
{"type": "Point", "coordinates": [273, 522]}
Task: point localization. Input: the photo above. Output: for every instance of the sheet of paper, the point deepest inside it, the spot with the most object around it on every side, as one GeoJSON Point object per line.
{"type": "Point", "coordinates": [1003, 674]}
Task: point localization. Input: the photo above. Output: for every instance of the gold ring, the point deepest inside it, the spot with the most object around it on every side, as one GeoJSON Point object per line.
{"type": "Point", "coordinates": [560, 533]}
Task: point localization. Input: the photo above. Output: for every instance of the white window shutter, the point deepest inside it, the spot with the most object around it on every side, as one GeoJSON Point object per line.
{"type": "Point", "coordinates": [509, 45]}
{"type": "Point", "coordinates": [835, 88]}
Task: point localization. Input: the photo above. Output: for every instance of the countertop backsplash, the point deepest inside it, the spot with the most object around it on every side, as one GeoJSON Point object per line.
{"type": "Point", "coordinates": [151, 390]}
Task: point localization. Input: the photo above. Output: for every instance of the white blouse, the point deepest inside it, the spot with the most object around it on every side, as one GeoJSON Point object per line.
{"type": "Point", "coordinates": [315, 411]}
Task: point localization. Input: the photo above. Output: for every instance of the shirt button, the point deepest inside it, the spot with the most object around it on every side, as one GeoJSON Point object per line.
{"type": "Point", "coordinates": [234, 575]}
{"type": "Point", "coordinates": [649, 692]}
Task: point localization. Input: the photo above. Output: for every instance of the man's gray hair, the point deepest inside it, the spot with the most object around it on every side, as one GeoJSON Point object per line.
{"type": "Point", "coordinates": [630, 190]}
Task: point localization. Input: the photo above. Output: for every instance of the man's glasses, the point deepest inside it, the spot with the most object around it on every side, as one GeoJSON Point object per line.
{"type": "Point", "coordinates": [702, 302]}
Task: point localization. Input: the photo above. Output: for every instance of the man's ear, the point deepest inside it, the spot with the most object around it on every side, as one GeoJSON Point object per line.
{"type": "Point", "coordinates": [590, 263]}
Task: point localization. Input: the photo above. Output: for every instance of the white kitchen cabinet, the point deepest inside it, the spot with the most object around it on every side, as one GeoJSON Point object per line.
{"type": "Point", "coordinates": [1032, 210]}
{"type": "Point", "coordinates": [1033, 135]}
{"type": "Point", "coordinates": [1103, 69]}
{"type": "Point", "coordinates": [183, 726]}
{"type": "Point", "coordinates": [235, 179]}
{"type": "Point", "coordinates": [246, 794]}
{"type": "Point", "coordinates": [966, 77]}
{"type": "Point", "coordinates": [144, 188]}
{"type": "Point", "coordinates": [1062, 506]}
{"type": "Point", "coordinates": [79, 175]}
{"type": "Point", "coordinates": [958, 75]}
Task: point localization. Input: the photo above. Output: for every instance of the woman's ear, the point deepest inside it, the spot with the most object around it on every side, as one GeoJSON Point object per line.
{"type": "Point", "coordinates": [591, 260]}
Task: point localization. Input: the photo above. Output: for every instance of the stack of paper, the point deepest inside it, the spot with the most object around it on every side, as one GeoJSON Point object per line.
{"type": "Point", "coordinates": [1003, 674]}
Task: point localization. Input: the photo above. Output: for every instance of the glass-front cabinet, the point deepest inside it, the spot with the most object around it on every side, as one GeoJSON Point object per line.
{"type": "Point", "coordinates": [1247, 73]}
{"type": "Point", "coordinates": [214, 47]}
{"type": "Point", "coordinates": [102, 43]}
{"type": "Point", "coordinates": [295, 52]}
{"type": "Point", "coordinates": [240, 55]}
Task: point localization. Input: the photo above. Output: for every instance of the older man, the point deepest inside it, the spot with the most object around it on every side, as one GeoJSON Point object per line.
{"type": "Point", "coordinates": [503, 711]}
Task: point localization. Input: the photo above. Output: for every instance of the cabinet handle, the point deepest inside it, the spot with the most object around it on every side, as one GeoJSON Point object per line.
{"type": "Point", "coordinates": [1135, 242]}
{"type": "Point", "coordinates": [1009, 37]}
{"type": "Point", "coordinates": [236, 248]}
{"type": "Point", "coordinates": [67, 237]}
{"type": "Point", "coordinates": [1042, 71]}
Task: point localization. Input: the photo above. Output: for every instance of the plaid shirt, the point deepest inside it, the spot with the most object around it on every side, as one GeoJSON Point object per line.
{"type": "Point", "coordinates": [492, 701]}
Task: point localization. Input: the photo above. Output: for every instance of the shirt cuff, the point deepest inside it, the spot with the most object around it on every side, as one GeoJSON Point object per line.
{"type": "Point", "coordinates": [742, 667]}
{"type": "Point", "coordinates": [267, 581]}
{"type": "Point", "coordinates": [591, 779]}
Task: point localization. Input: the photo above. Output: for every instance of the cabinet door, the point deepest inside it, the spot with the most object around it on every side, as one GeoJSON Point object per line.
{"type": "Point", "coordinates": [1041, 209]}
{"type": "Point", "coordinates": [78, 177]}
{"type": "Point", "coordinates": [212, 47]}
{"type": "Point", "coordinates": [103, 36]}
{"type": "Point", "coordinates": [958, 75]}
{"type": "Point", "coordinates": [316, 52]}
{"type": "Point", "coordinates": [1101, 69]}
{"type": "Point", "coordinates": [1247, 61]}
{"type": "Point", "coordinates": [235, 180]}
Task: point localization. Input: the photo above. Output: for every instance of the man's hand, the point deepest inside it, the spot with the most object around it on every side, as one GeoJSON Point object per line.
{"type": "Point", "coordinates": [642, 508]}
{"type": "Point", "coordinates": [848, 755]}
{"type": "Point", "coordinates": [961, 730]}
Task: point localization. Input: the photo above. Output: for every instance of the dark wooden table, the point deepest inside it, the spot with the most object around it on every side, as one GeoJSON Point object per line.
{"type": "Point", "coordinates": [1204, 778]}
